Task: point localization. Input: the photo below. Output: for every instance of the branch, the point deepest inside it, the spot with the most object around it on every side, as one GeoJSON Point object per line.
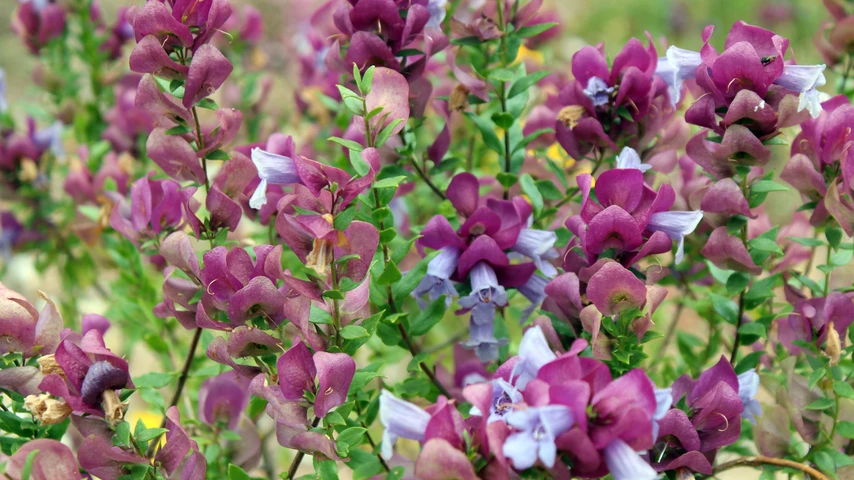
{"type": "Point", "coordinates": [760, 461]}
{"type": "Point", "coordinates": [292, 470]}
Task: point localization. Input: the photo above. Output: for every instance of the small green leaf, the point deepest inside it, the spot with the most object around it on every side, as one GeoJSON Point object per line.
{"type": "Point", "coordinates": [386, 132]}
{"type": "Point", "coordinates": [820, 404]}
{"type": "Point", "coordinates": [360, 165]}
{"type": "Point", "coordinates": [526, 82]}
{"type": "Point", "coordinates": [327, 470]}
{"type": "Point", "coordinates": [347, 143]}
{"type": "Point", "coordinates": [207, 103]}
{"type": "Point", "coordinates": [833, 235]}
{"type": "Point", "coordinates": [427, 318]}
{"type": "Point", "coordinates": [178, 130]}
{"type": "Point", "coordinates": [333, 295]}
{"type": "Point", "coordinates": [530, 189]}
{"type": "Point", "coordinates": [237, 473]}
{"type": "Point", "coordinates": [766, 186]}
{"type": "Point", "coordinates": [153, 380]}
{"type": "Point", "coordinates": [218, 155]}
{"type": "Point", "coordinates": [151, 434]}
{"type": "Point", "coordinates": [390, 275]}
{"type": "Point", "coordinates": [487, 132]}
{"type": "Point", "coordinates": [846, 429]}
{"type": "Point", "coordinates": [343, 218]}
{"type": "Point", "coordinates": [737, 282]}
{"type": "Point", "coordinates": [503, 119]}
{"type": "Point", "coordinates": [843, 389]}
{"type": "Point", "coordinates": [753, 328]}
{"type": "Point", "coordinates": [807, 241]}
{"type": "Point", "coordinates": [27, 470]}
{"type": "Point", "coordinates": [352, 332]}
{"type": "Point", "coordinates": [123, 433]}
{"type": "Point", "coordinates": [534, 30]}
{"type": "Point", "coordinates": [352, 436]}
{"type": "Point", "coordinates": [506, 179]}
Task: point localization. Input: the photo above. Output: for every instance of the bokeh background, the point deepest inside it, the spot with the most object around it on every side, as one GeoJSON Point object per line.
{"type": "Point", "coordinates": [670, 22]}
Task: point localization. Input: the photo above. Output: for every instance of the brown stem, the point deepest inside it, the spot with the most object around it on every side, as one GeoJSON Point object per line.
{"type": "Point", "coordinates": [200, 140]}
{"type": "Point", "coordinates": [426, 179]}
{"type": "Point", "coordinates": [760, 460]}
{"type": "Point", "coordinates": [292, 470]}
{"type": "Point", "coordinates": [370, 439]}
{"type": "Point", "coordinates": [185, 372]}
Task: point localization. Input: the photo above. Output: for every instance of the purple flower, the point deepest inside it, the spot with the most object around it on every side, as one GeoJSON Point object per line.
{"type": "Point", "coordinates": [675, 67]}
{"type": "Point", "coordinates": [629, 158]}
{"type": "Point", "coordinates": [538, 245]}
{"type": "Point", "coordinates": [486, 295]}
{"type": "Point", "coordinates": [437, 12]}
{"type": "Point", "coordinates": [400, 419]}
{"type": "Point", "coordinates": [505, 397]}
{"type": "Point", "coordinates": [222, 399]}
{"type": "Point", "coordinates": [297, 371]}
{"type": "Point", "coordinates": [534, 352]}
{"type": "Point", "coordinates": [598, 91]}
{"type": "Point", "coordinates": [804, 79]}
{"type": "Point", "coordinates": [676, 225]}
{"type": "Point", "coordinates": [663, 402]}
{"type": "Point", "coordinates": [535, 291]}
{"type": "Point", "coordinates": [273, 169]}
{"type": "Point", "coordinates": [24, 329]}
{"type": "Point", "coordinates": [625, 464]}
{"type": "Point", "coordinates": [748, 387]}
{"type": "Point", "coordinates": [534, 438]}
{"type": "Point", "coordinates": [437, 281]}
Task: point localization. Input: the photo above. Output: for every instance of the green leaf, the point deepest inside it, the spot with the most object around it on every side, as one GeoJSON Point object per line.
{"type": "Point", "coordinates": [753, 328]}
{"type": "Point", "coordinates": [327, 470]}
{"type": "Point", "coordinates": [333, 295]}
{"type": "Point", "coordinates": [123, 433]}
{"type": "Point", "coordinates": [735, 224]}
{"type": "Point", "coordinates": [549, 191]}
{"type": "Point", "coordinates": [534, 30]}
{"type": "Point", "coordinates": [737, 282]}
{"type": "Point", "coordinates": [820, 404]}
{"type": "Point", "coordinates": [361, 378]}
{"type": "Point", "coordinates": [473, 40]}
{"type": "Point", "coordinates": [427, 318]}
{"type": "Point", "coordinates": [748, 362]}
{"type": "Point", "coordinates": [392, 182]}
{"type": "Point", "coordinates": [390, 275]}
{"type": "Point", "coordinates": [530, 189]}
{"type": "Point", "coordinates": [841, 257]}
{"type": "Point", "coordinates": [355, 105]}
{"type": "Point", "coordinates": [846, 429]}
{"type": "Point", "coordinates": [531, 137]}
{"type": "Point", "coordinates": [237, 473]}
{"type": "Point", "coordinates": [360, 165]}
{"type": "Point", "coordinates": [506, 179]}
{"type": "Point", "coordinates": [367, 80]}
{"type": "Point", "coordinates": [352, 436]}
{"type": "Point", "coordinates": [763, 244]}
{"type": "Point", "coordinates": [807, 241]}
{"type": "Point", "coordinates": [766, 186]}
{"type": "Point", "coordinates": [347, 143]}
{"type": "Point", "coordinates": [724, 307]}
{"type": "Point", "coordinates": [179, 130]}
{"type": "Point", "coordinates": [503, 120]}
{"type": "Point", "coordinates": [342, 219]}
{"type": "Point", "coordinates": [352, 332]}
{"type": "Point", "coordinates": [386, 132]}
{"type": "Point", "coordinates": [501, 75]}
{"type": "Point", "coordinates": [27, 470]}
{"type": "Point", "coordinates": [833, 235]}
{"type": "Point", "coordinates": [207, 103]}
{"type": "Point", "coordinates": [151, 434]}
{"type": "Point", "coordinates": [490, 138]}
{"type": "Point", "coordinates": [526, 82]}
{"type": "Point", "coordinates": [843, 389]}
{"type": "Point", "coordinates": [778, 140]}
{"type": "Point", "coordinates": [218, 155]}
{"type": "Point", "coordinates": [153, 380]}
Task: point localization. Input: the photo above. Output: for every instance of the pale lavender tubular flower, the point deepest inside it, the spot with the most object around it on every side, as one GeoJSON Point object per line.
{"type": "Point", "coordinates": [629, 158]}
{"type": "Point", "coordinates": [676, 225]}
{"type": "Point", "coordinates": [485, 295]}
{"type": "Point", "coordinates": [272, 169]}
{"type": "Point", "coordinates": [535, 291]}
{"type": "Point", "coordinates": [534, 352]}
{"type": "Point", "coordinates": [538, 245]}
{"type": "Point", "coordinates": [400, 419]}
{"type": "Point", "coordinates": [4, 105]}
{"type": "Point", "coordinates": [804, 79]}
{"type": "Point", "coordinates": [51, 137]}
{"type": "Point", "coordinates": [535, 439]}
{"type": "Point", "coordinates": [675, 67]}
{"type": "Point", "coordinates": [436, 8]}
{"type": "Point", "coordinates": [504, 398]}
{"type": "Point", "coordinates": [748, 387]}
{"type": "Point", "coordinates": [436, 283]}
{"type": "Point", "coordinates": [598, 91]}
{"type": "Point", "coordinates": [663, 402]}
{"type": "Point", "coordinates": [625, 464]}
